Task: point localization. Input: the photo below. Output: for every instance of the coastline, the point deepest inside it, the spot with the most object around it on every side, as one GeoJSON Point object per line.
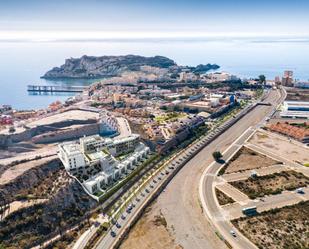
{"type": "Point", "coordinates": [21, 67]}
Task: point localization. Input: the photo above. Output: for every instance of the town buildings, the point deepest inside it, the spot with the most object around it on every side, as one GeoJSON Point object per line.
{"type": "Point", "coordinates": [287, 79]}
{"type": "Point", "coordinates": [301, 84]}
{"type": "Point", "coordinates": [97, 161]}
{"type": "Point", "coordinates": [5, 108]}
{"type": "Point", "coordinates": [220, 77]}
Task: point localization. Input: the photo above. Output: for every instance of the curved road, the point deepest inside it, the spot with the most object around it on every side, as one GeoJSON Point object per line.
{"type": "Point", "coordinates": [180, 203]}
{"type": "Point", "coordinates": [207, 191]}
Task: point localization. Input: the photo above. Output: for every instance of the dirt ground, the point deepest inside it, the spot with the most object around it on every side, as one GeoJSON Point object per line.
{"type": "Point", "coordinates": [148, 229]}
{"type": "Point", "coordinates": [287, 227]}
{"type": "Point", "coordinates": [297, 94]}
{"type": "Point", "coordinates": [8, 157]}
{"type": "Point", "coordinates": [246, 159]}
{"type": "Point", "coordinates": [14, 171]}
{"type": "Point", "coordinates": [281, 146]}
{"type": "Point", "coordinates": [223, 199]}
{"type": "Point", "coordinates": [16, 205]}
{"type": "Point", "coordinates": [271, 184]}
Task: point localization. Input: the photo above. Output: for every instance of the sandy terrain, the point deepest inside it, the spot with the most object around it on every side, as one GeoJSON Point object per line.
{"type": "Point", "coordinates": [17, 170]}
{"type": "Point", "coordinates": [16, 205]}
{"type": "Point", "coordinates": [246, 159]}
{"type": "Point", "coordinates": [74, 114]}
{"type": "Point", "coordinates": [54, 118]}
{"type": "Point", "coordinates": [148, 229]}
{"type": "Point", "coordinates": [42, 150]}
{"type": "Point", "coordinates": [280, 145]}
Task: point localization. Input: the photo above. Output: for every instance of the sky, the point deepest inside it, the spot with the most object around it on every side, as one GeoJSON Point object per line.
{"type": "Point", "coordinates": [122, 19]}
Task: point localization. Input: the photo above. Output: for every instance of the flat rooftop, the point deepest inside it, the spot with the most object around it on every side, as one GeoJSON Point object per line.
{"type": "Point", "coordinates": [297, 103]}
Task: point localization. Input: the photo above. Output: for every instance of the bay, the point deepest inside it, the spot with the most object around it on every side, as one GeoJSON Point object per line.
{"type": "Point", "coordinates": [22, 63]}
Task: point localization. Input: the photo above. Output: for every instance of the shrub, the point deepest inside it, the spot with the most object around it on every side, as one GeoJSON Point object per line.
{"type": "Point", "coordinates": [217, 155]}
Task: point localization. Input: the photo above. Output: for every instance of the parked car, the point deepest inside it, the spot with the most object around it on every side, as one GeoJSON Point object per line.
{"type": "Point", "coordinates": [232, 232]}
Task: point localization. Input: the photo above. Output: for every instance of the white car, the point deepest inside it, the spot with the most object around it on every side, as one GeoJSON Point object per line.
{"type": "Point", "coordinates": [232, 232]}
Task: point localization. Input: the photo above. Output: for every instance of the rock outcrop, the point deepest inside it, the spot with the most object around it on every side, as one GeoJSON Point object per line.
{"type": "Point", "coordinates": [88, 67]}
{"type": "Point", "coordinates": [105, 66]}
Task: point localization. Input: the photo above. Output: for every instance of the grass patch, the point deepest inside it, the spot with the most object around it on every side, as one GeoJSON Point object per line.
{"type": "Point", "coordinates": [169, 117]}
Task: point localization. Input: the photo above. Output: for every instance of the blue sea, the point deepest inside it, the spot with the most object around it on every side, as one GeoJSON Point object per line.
{"type": "Point", "coordinates": [22, 63]}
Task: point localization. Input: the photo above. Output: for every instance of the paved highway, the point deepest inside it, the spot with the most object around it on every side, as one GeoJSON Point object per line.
{"type": "Point", "coordinates": [180, 203]}
{"type": "Point", "coordinates": [209, 202]}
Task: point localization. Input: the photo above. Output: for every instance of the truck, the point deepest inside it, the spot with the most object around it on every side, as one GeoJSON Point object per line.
{"type": "Point", "coordinates": [249, 211]}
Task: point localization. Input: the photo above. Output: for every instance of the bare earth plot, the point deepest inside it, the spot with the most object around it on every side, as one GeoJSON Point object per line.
{"type": "Point", "coordinates": [246, 159]}
{"type": "Point", "coordinates": [151, 231]}
{"type": "Point", "coordinates": [281, 146]}
{"type": "Point", "coordinates": [223, 199]}
{"type": "Point", "coordinates": [271, 184]}
{"type": "Point", "coordinates": [16, 205]}
{"type": "Point", "coordinates": [287, 227]}
{"type": "Point", "coordinates": [17, 170]}
{"type": "Point", "coordinates": [38, 150]}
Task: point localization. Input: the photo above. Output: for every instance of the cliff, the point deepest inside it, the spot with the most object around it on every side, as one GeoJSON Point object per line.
{"type": "Point", "coordinates": [105, 66]}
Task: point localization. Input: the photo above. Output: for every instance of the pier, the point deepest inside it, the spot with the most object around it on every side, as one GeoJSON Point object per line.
{"type": "Point", "coordinates": [55, 89]}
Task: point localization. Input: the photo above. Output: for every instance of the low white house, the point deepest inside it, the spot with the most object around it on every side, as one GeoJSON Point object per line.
{"type": "Point", "coordinates": [113, 171]}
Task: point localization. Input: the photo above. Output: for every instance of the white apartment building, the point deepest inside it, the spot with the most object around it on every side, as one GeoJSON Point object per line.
{"type": "Point", "coordinates": [71, 156]}
{"type": "Point", "coordinates": [113, 170]}
{"type": "Point", "coordinates": [99, 152]}
{"type": "Point", "coordinates": [221, 77]}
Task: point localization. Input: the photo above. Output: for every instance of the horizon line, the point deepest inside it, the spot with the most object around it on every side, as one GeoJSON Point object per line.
{"type": "Point", "coordinates": [98, 36]}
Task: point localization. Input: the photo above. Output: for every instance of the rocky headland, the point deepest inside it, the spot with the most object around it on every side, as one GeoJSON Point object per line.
{"type": "Point", "coordinates": [114, 66]}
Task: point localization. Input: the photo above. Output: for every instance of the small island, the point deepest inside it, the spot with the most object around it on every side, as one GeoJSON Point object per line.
{"type": "Point", "coordinates": [92, 67]}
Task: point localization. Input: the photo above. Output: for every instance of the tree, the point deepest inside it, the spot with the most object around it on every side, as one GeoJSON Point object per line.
{"type": "Point", "coordinates": [217, 155]}
{"type": "Point", "coordinates": [262, 79]}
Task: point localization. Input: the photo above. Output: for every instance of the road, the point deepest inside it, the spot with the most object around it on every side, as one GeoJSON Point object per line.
{"type": "Point", "coordinates": [209, 201]}
{"type": "Point", "coordinates": [180, 203]}
{"type": "Point", "coordinates": [286, 198]}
